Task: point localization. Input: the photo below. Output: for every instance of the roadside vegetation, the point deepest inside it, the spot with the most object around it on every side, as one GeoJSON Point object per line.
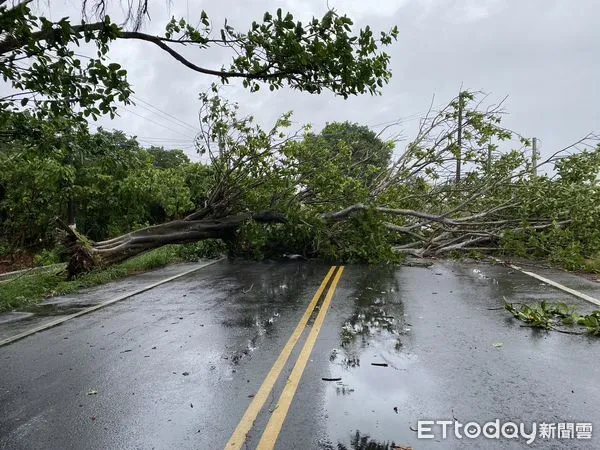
{"type": "Point", "coordinates": [463, 185]}
{"type": "Point", "coordinates": [27, 289]}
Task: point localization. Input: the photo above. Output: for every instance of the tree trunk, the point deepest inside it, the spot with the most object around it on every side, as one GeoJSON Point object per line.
{"type": "Point", "coordinates": [86, 255]}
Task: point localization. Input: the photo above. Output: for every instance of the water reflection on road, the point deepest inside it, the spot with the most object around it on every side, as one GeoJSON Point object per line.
{"type": "Point", "coordinates": [361, 441]}
{"type": "Point", "coordinates": [372, 359]}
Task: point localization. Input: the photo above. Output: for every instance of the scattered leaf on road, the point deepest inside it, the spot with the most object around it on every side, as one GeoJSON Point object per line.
{"type": "Point", "coordinates": [498, 344]}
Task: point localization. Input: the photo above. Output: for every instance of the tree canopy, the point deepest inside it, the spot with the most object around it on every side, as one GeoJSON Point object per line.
{"type": "Point", "coordinates": [38, 57]}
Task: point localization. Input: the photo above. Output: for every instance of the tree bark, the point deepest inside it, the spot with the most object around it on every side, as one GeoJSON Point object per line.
{"type": "Point", "coordinates": [86, 255]}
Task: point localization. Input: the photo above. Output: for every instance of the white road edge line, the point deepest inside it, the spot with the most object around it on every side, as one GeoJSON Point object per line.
{"type": "Point", "coordinates": [54, 323]}
{"type": "Point", "coordinates": [562, 287]}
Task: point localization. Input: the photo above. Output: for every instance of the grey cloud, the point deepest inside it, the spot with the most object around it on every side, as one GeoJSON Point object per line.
{"type": "Point", "coordinates": [540, 53]}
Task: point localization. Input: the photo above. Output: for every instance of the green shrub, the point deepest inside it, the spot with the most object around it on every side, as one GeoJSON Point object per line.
{"type": "Point", "coordinates": [48, 256]}
{"type": "Point", "coordinates": [209, 248]}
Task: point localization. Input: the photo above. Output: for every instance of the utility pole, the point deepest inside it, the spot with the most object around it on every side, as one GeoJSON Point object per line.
{"type": "Point", "coordinates": [71, 212]}
{"type": "Point", "coordinates": [69, 160]}
{"type": "Point", "coordinates": [489, 154]}
{"type": "Point", "coordinates": [459, 137]}
{"type": "Point", "coordinates": [534, 158]}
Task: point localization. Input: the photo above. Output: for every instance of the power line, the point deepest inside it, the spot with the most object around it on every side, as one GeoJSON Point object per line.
{"type": "Point", "coordinates": [158, 140]}
{"type": "Point", "coordinates": [164, 144]}
{"type": "Point", "coordinates": [176, 121]}
{"type": "Point", "coordinates": [162, 138]}
{"type": "Point", "coordinates": [400, 120]}
{"type": "Point", "coordinates": [396, 121]}
{"type": "Point", "coordinates": [154, 121]}
{"type": "Point", "coordinates": [145, 141]}
{"type": "Point", "coordinates": [166, 141]}
{"type": "Point", "coordinates": [172, 117]}
{"type": "Point", "coordinates": [171, 143]}
{"type": "Point", "coordinates": [408, 118]}
{"type": "Point", "coordinates": [184, 138]}
{"type": "Point", "coordinates": [165, 118]}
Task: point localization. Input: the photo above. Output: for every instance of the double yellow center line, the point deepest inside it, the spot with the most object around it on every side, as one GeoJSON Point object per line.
{"type": "Point", "coordinates": [271, 432]}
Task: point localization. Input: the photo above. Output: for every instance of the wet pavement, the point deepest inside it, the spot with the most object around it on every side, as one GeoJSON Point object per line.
{"type": "Point", "coordinates": [177, 366]}
{"type": "Point", "coordinates": [13, 323]}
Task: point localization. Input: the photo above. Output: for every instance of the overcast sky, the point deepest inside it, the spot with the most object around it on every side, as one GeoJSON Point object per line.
{"type": "Point", "coordinates": [542, 54]}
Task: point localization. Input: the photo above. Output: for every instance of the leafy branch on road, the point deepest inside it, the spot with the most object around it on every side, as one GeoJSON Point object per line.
{"type": "Point", "coordinates": [549, 316]}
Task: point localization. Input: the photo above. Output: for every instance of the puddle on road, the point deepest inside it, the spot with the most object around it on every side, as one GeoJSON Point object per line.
{"type": "Point", "coordinates": [373, 333]}
{"type": "Point", "coordinates": [259, 304]}
{"type": "Point", "coordinates": [372, 359]}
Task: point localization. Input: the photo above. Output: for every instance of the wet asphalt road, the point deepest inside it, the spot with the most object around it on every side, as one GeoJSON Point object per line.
{"type": "Point", "coordinates": [177, 366]}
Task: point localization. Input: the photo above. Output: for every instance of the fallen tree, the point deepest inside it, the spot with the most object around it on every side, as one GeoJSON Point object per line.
{"type": "Point", "coordinates": [85, 254]}
{"type": "Point", "coordinates": [341, 194]}
{"type": "Point", "coordinates": [317, 195]}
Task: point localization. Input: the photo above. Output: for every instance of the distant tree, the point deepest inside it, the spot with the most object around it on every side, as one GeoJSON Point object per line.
{"type": "Point", "coordinates": [368, 155]}
{"type": "Point", "coordinates": [168, 159]}
{"type": "Point", "coordinates": [367, 147]}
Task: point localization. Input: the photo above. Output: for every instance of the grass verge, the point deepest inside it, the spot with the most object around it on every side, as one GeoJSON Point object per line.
{"type": "Point", "coordinates": [27, 290]}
